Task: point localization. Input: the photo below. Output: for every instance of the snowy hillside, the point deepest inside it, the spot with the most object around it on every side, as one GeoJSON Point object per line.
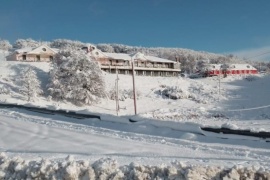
{"type": "Point", "coordinates": [200, 100]}
{"type": "Point", "coordinates": [166, 132]}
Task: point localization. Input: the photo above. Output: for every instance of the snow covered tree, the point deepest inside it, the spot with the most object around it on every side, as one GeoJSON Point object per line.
{"type": "Point", "coordinates": [66, 44]}
{"type": "Point", "coordinates": [105, 48]}
{"type": "Point", "coordinates": [76, 78]}
{"type": "Point", "coordinates": [30, 85]}
{"type": "Point", "coordinates": [5, 45]}
{"type": "Point", "coordinates": [22, 43]}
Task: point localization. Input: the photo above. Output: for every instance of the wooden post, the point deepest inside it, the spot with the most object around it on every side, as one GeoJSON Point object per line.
{"type": "Point", "coordinates": [117, 92]}
{"type": "Point", "coordinates": [134, 89]}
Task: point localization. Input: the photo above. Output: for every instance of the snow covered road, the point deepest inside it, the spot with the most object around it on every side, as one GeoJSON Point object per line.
{"type": "Point", "coordinates": [54, 137]}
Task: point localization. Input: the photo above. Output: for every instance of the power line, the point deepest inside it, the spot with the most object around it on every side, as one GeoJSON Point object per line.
{"type": "Point", "coordinates": [258, 55]}
{"type": "Point", "coordinates": [247, 109]}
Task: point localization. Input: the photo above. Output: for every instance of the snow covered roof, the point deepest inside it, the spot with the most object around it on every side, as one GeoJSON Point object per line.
{"type": "Point", "coordinates": [241, 66]}
{"type": "Point", "coordinates": [121, 56]}
{"type": "Point", "coordinates": [36, 50]}
{"type": "Point", "coordinates": [128, 57]}
{"type": "Point", "coordinates": [157, 59]}
{"type": "Point", "coordinates": [231, 66]}
{"type": "Point", "coordinates": [55, 49]}
{"type": "Point", "coordinates": [24, 50]}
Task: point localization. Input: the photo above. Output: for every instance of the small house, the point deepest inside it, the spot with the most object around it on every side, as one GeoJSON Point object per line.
{"type": "Point", "coordinates": [38, 54]}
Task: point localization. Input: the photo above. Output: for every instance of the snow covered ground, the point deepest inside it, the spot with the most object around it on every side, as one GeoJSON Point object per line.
{"type": "Point", "coordinates": [167, 131]}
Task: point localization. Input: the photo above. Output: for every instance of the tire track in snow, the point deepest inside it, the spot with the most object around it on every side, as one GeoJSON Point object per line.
{"type": "Point", "coordinates": [226, 151]}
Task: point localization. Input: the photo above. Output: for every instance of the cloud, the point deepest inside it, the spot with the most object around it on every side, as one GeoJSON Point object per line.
{"type": "Point", "coordinates": [262, 53]}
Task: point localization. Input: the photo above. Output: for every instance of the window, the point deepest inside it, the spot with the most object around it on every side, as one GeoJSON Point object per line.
{"type": "Point", "coordinates": [248, 66]}
{"type": "Point", "coordinates": [97, 53]}
{"type": "Point", "coordinates": [44, 49]}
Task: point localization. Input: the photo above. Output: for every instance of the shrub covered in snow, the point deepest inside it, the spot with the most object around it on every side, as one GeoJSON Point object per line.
{"type": "Point", "coordinates": [76, 78]}
{"type": "Point", "coordinates": [18, 168]}
{"type": "Point", "coordinates": [175, 92]}
{"type": "Point", "coordinates": [196, 91]}
{"type": "Point", "coordinates": [5, 90]}
{"type": "Point", "coordinates": [183, 114]}
{"type": "Point", "coordinates": [250, 78]}
{"type": "Point", "coordinates": [123, 94]}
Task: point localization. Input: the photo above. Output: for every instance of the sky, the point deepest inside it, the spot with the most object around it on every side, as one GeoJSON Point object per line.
{"type": "Point", "coordinates": [231, 26]}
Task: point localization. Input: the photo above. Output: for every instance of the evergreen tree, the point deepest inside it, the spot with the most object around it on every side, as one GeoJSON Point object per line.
{"type": "Point", "coordinates": [30, 85]}
{"type": "Point", "coordinates": [77, 78]}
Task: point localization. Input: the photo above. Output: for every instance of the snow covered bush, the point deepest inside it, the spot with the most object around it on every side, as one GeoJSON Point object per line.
{"type": "Point", "coordinates": [174, 92]}
{"type": "Point", "coordinates": [30, 85]}
{"type": "Point", "coordinates": [5, 90]}
{"type": "Point", "coordinates": [77, 78]}
{"type": "Point", "coordinates": [123, 94]}
{"type": "Point", "coordinates": [250, 78]}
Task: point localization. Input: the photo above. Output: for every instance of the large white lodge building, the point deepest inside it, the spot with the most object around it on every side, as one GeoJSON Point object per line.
{"type": "Point", "coordinates": [143, 65]}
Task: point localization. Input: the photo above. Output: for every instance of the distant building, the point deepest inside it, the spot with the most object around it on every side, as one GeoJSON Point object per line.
{"type": "Point", "coordinates": [38, 54]}
{"type": "Point", "coordinates": [229, 69]}
{"type": "Point", "coordinates": [145, 65]}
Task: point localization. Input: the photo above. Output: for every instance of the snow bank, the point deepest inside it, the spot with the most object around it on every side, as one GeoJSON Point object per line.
{"type": "Point", "coordinates": [18, 168]}
{"type": "Point", "coordinates": [176, 114]}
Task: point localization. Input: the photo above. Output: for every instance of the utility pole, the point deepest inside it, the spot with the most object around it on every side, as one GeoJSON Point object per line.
{"type": "Point", "coordinates": [134, 88]}
{"type": "Point", "coordinates": [220, 73]}
{"type": "Point", "coordinates": [133, 57]}
{"type": "Point", "coordinates": [117, 92]}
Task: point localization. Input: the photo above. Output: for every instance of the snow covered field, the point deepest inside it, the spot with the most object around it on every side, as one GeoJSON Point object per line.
{"type": "Point", "coordinates": [167, 131]}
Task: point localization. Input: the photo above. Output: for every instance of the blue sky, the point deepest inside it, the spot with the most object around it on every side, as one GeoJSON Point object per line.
{"type": "Point", "coordinates": [219, 26]}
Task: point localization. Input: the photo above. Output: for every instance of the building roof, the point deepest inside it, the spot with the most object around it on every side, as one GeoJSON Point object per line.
{"type": "Point", "coordinates": [231, 66]}
{"type": "Point", "coordinates": [127, 57]}
{"type": "Point", "coordinates": [35, 50]}
{"type": "Point", "coordinates": [24, 50]}
{"type": "Point", "coordinates": [242, 66]}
